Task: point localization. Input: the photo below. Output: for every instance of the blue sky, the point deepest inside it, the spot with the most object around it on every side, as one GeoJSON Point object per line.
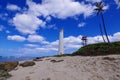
{"type": "Point", "coordinates": [31, 27]}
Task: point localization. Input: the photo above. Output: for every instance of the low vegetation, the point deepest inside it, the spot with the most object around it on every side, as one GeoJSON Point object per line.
{"type": "Point", "coordinates": [99, 49]}
{"type": "Point", "coordinates": [38, 59]}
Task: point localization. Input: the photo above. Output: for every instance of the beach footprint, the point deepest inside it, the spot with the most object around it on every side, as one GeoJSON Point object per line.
{"type": "Point", "coordinates": [46, 79]}
{"type": "Point", "coordinates": [27, 78]}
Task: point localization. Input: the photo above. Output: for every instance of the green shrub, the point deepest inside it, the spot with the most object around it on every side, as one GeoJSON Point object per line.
{"type": "Point", "coordinates": [99, 49]}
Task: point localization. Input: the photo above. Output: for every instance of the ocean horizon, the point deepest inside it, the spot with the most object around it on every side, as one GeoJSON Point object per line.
{"type": "Point", "coordinates": [13, 58]}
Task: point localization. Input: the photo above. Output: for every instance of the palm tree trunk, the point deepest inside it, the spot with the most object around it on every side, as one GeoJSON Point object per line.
{"type": "Point", "coordinates": [104, 27]}
{"type": "Point", "coordinates": [102, 33]}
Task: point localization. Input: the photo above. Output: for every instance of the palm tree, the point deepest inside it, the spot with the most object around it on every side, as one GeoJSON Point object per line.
{"type": "Point", "coordinates": [99, 9]}
{"type": "Point", "coordinates": [102, 33]}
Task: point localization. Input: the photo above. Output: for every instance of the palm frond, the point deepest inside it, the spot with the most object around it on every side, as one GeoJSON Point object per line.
{"type": "Point", "coordinates": [98, 4]}
{"type": "Point", "coordinates": [99, 7]}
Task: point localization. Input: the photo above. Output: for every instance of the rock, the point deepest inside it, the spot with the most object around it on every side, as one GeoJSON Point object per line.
{"type": "Point", "coordinates": [46, 79]}
{"type": "Point", "coordinates": [3, 78]}
{"type": "Point", "coordinates": [4, 74]}
{"type": "Point", "coordinates": [54, 61]}
{"type": "Point", "coordinates": [108, 58]}
{"type": "Point", "coordinates": [27, 63]}
{"type": "Point", "coordinates": [37, 60]}
{"type": "Point", "coordinates": [5, 67]}
{"type": "Point", "coordinates": [8, 66]}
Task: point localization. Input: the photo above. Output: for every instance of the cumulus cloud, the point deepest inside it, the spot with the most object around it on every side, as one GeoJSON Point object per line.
{"type": "Point", "coordinates": [4, 16]}
{"type": "Point", "coordinates": [82, 24]}
{"type": "Point", "coordinates": [116, 37]}
{"type": "Point", "coordinates": [48, 18]}
{"type": "Point", "coordinates": [37, 50]}
{"type": "Point", "coordinates": [31, 45]}
{"type": "Point", "coordinates": [93, 1]}
{"type": "Point", "coordinates": [28, 21]}
{"type": "Point", "coordinates": [27, 24]}
{"type": "Point", "coordinates": [72, 41]}
{"type": "Point", "coordinates": [118, 3]}
{"type": "Point", "coordinates": [65, 9]}
{"type": "Point", "coordinates": [53, 26]}
{"type": "Point", "coordinates": [31, 38]}
{"type": "Point", "coordinates": [37, 38]}
{"type": "Point", "coordinates": [71, 44]}
{"type": "Point", "coordinates": [16, 38]}
{"type": "Point", "coordinates": [13, 7]}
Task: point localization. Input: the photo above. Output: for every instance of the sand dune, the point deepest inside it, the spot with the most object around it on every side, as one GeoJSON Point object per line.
{"type": "Point", "coordinates": [71, 68]}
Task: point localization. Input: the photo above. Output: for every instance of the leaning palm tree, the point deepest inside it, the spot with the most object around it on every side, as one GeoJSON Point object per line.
{"type": "Point", "coordinates": [99, 9]}
{"type": "Point", "coordinates": [102, 33]}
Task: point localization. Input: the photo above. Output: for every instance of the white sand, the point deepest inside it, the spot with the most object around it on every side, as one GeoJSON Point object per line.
{"type": "Point", "coordinates": [72, 68]}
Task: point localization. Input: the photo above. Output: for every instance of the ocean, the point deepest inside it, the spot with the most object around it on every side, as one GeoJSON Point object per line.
{"type": "Point", "coordinates": [12, 58]}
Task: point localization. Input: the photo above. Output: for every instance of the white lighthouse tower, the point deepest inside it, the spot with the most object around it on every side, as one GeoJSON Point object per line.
{"type": "Point", "coordinates": [61, 45]}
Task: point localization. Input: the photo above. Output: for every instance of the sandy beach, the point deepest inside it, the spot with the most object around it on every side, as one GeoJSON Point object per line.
{"type": "Point", "coordinates": [71, 68]}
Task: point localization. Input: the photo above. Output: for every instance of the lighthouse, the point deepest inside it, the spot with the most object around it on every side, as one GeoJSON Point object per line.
{"type": "Point", "coordinates": [61, 45]}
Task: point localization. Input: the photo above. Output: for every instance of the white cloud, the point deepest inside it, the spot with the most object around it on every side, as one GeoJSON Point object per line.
{"type": "Point", "coordinates": [31, 45]}
{"type": "Point", "coordinates": [16, 38]}
{"type": "Point", "coordinates": [46, 49]}
{"type": "Point", "coordinates": [116, 37]}
{"type": "Point", "coordinates": [82, 24]}
{"type": "Point", "coordinates": [48, 18]}
{"type": "Point", "coordinates": [45, 42]}
{"type": "Point", "coordinates": [93, 1]}
{"type": "Point", "coordinates": [37, 38]}
{"type": "Point", "coordinates": [95, 39]}
{"type": "Point", "coordinates": [105, 7]}
{"type": "Point", "coordinates": [66, 8]}
{"type": "Point", "coordinates": [27, 24]}
{"type": "Point", "coordinates": [30, 38]}
{"type": "Point", "coordinates": [53, 26]}
{"type": "Point", "coordinates": [71, 44]}
{"type": "Point", "coordinates": [72, 40]}
{"type": "Point", "coordinates": [40, 50]}
{"type": "Point", "coordinates": [13, 7]}
{"type": "Point", "coordinates": [28, 21]}
{"type": "Point", "coordinates": [118, 3]}
{"type": "Point", "coordinates": [4, 16]}
{"type": "Point", "coordinates": [7, 31]}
